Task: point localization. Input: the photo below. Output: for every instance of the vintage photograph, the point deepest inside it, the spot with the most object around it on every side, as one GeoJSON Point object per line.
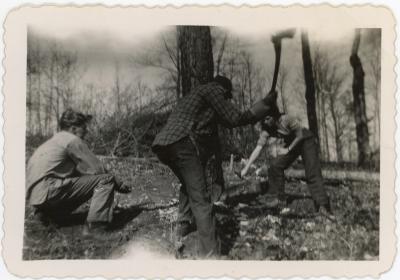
{"type": "Point", "coordinates": [202, 142]}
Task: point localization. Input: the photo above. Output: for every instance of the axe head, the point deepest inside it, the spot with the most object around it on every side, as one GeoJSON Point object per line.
{"type": "Point", "coordinates": [287, 33]}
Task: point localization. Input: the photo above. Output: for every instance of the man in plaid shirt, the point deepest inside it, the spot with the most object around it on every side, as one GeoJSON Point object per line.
{"type": "Point", "coordinates": [189, 139]}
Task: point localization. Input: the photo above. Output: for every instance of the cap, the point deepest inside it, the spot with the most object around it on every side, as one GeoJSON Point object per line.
{"type": "Point", "coordinates": [225, 83]}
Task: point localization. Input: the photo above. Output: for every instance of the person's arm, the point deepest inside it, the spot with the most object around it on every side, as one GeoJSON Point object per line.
{"type": "Point", "coordinates": [299, 137]}
{"type": "Point", "coordinates": [256, 152]}
{"type": "Point", "coordinates": [86, 162]}
{"type": "Point", "coordinates": [254, 155]}
{"type": "Point", "coordinates": [229, 115]}
{"type": "Point", "coordinates": [293, 126]}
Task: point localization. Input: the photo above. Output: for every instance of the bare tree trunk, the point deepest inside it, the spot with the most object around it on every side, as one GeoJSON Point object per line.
{"type": "Point", "coordinates": [359, 105]}
{"type": "Point", "coordinates": [220, 54]}
{"type": "Point", "coordinates": [338, 143]}
{"type": "Point", "coordinates": [310, 87]}
{"type": "Point", "coordinates": [375, 65]}
{"type": "Point", "coordinates": [29, 96]}
{"type": "Point", "coordinates": [325, 130]}
{"type": "Point", "coordinates": [117, 90]}
{"type": "Point", "coordinates": [281, 84]}
{"type": "Point", "coordinates": [178, 69]}
{"type": "Point", "coordinates": [51, 90]}
{"type": "Point", "coordinates": [39, 105]}
{"type": "Point", "coordinates": [196, 63]}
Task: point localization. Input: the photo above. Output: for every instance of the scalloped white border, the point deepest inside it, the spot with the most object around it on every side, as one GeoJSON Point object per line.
{"type": "Point", "coordinates": [14, 128]}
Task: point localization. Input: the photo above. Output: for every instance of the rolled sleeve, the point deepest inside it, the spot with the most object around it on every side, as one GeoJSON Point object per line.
{"type": "Point", "coordinates": [290, 123]}
{"type": "Point", "coordinates": [86, 161]}
{"type": "Point", "coordinates": [262, 140]}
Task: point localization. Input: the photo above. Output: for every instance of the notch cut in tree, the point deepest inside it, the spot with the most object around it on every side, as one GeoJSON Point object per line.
{"type": "Point", "coordinates": [359, 105]}
{"type": "Point", "coordinates": [196, 58]}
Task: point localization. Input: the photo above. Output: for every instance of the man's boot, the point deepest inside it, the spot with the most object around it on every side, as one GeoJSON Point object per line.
{"type": "Point", "coordinates": [325, 210]}
{"type": "Point", "coordinates": [184, 228]}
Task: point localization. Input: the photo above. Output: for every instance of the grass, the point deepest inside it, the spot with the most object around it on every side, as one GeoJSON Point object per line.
{"type": "Point", "coordinates": [247, 229]}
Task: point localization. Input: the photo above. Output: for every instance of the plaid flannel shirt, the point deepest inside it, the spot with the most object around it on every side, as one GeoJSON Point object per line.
{"type": "Point", "coordinates": [199, 113]}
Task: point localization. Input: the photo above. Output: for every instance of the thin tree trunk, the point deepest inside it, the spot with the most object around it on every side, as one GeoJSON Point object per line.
{"type": "Point", "coordinates": [220, 55]}
{"type": "Point", "coordinates": [30, 70]}
{"type": "Point", "coordinates": [359, 105]}
{"type": "Point", "coordinates": [310, 87]}
{"type": "Point", "coordinates": [39, 105]}
{"type": "Point", "coordinates": [326, 138]}
{"type": "Point", "coordinates": [29, 103]}
{"type": "Point", "coordinates": [178, 69]}
{"type": "Point", "coordinates": [338, 143]}
{"type": "Point", "coordinates": [49, 106]}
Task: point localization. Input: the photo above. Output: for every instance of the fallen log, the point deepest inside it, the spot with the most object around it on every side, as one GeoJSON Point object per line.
{"type": "Point", "coordinates": [338, 175]}
{"type": "Point", "coordinates": [329, 174]}
{"type": "Point", "coordinates": [237, 187]}
{"type": "Point", "coordinates": [132, 159]}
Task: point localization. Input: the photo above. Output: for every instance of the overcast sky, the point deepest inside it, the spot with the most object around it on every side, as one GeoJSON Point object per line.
{"type": "Point", "coordinates": [99, 44]}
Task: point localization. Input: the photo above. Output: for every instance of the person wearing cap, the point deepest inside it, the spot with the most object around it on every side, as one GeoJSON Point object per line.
{"type": "Point", "coordinates": [63, 173]}
{"type": "Point", "coordinates": [189, 139]}
{"type": "Point", "coordinates": [297, 141]}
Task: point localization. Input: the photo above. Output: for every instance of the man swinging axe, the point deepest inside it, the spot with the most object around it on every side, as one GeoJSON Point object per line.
{"type": "Point", "coordinates": [188, 139]}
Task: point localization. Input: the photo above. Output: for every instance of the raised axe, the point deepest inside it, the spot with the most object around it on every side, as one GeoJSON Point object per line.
{"type": "Point", "coordinates": [277, 41]}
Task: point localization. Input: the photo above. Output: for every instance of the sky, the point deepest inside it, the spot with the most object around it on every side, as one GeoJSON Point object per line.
{"type": "Point", "coordinates": [100, 44]}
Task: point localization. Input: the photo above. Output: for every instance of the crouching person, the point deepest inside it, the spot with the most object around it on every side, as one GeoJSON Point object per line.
{"type": "Point", "coordinates": [63, 173]}
{"type": "Point", "coordinates": [298, 141]}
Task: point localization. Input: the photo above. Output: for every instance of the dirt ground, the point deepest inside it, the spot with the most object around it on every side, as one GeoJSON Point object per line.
{"type": "Point", "coordinates": [247, 229]}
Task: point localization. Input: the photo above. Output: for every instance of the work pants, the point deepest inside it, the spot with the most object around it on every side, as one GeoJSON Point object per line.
{"type": "Point", "coordinates": [308, 149]}
{"type": "Point", "coordinates": [65, 195]}
{"type": "Point", "coordinates": [194, 199]}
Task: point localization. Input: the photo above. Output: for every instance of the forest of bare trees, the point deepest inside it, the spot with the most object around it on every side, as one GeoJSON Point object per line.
{"type": "Point", "coordinates": [333, 87]}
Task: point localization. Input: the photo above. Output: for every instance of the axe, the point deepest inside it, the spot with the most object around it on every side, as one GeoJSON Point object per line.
{"type": "Point", "coordinates": [277, 41]}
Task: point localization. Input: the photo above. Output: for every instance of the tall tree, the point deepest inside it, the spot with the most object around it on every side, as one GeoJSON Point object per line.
{"type": "Point", "coordinates": [360, 114]}
{"type": "Point", "coordinates": [196, 57]}
{"type": "Point", "coordinates": [309, 79]}
{"type": "Point", "coordinates": [197, 67]}
{"type": "Point", "coordinates": [30, 71]}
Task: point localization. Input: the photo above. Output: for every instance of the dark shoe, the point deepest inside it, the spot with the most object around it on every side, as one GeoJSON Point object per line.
{"type": "Point", "coordinates": [123, 188]}
{"type": "Point", "coordinates": [326, 211]}
{"type": "Point", "coordinates": [95, 228]}
{"type": "Point", "coordinates": [323, 211]}
{"type": "Point", "coordinates": [42, 217]}
{"type": "Point", "coordinates": [184, 228]}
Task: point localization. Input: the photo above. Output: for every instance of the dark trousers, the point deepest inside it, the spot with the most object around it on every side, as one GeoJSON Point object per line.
{"type": "Point", "coordinates": [308, 149]}
{"type": "Point", "coordinates": [194, 199]}
{"type": "Point", "coordinates": [65, 195]}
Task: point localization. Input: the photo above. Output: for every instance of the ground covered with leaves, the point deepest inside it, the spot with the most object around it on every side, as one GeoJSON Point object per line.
{"type": "Point", "coordinates": [248, 230]}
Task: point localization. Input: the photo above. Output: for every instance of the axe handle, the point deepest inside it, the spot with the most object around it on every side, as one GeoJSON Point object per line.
{"type": "Point", "coordinates": [277, 47]}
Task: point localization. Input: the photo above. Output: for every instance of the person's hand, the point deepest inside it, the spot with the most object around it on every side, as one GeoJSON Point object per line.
{"type": "Point", "coordinates": [124, 188]}
{"type": "Point", "coordinates": [281, 151]}
{"type": "Point", "coordinates": [270, 98]}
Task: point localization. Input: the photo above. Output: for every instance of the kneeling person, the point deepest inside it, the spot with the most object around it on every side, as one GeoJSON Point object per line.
{"type": "Point", "coordinates": [298, 141]}
{"type": "Point", "coordinates": [63, 173]}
